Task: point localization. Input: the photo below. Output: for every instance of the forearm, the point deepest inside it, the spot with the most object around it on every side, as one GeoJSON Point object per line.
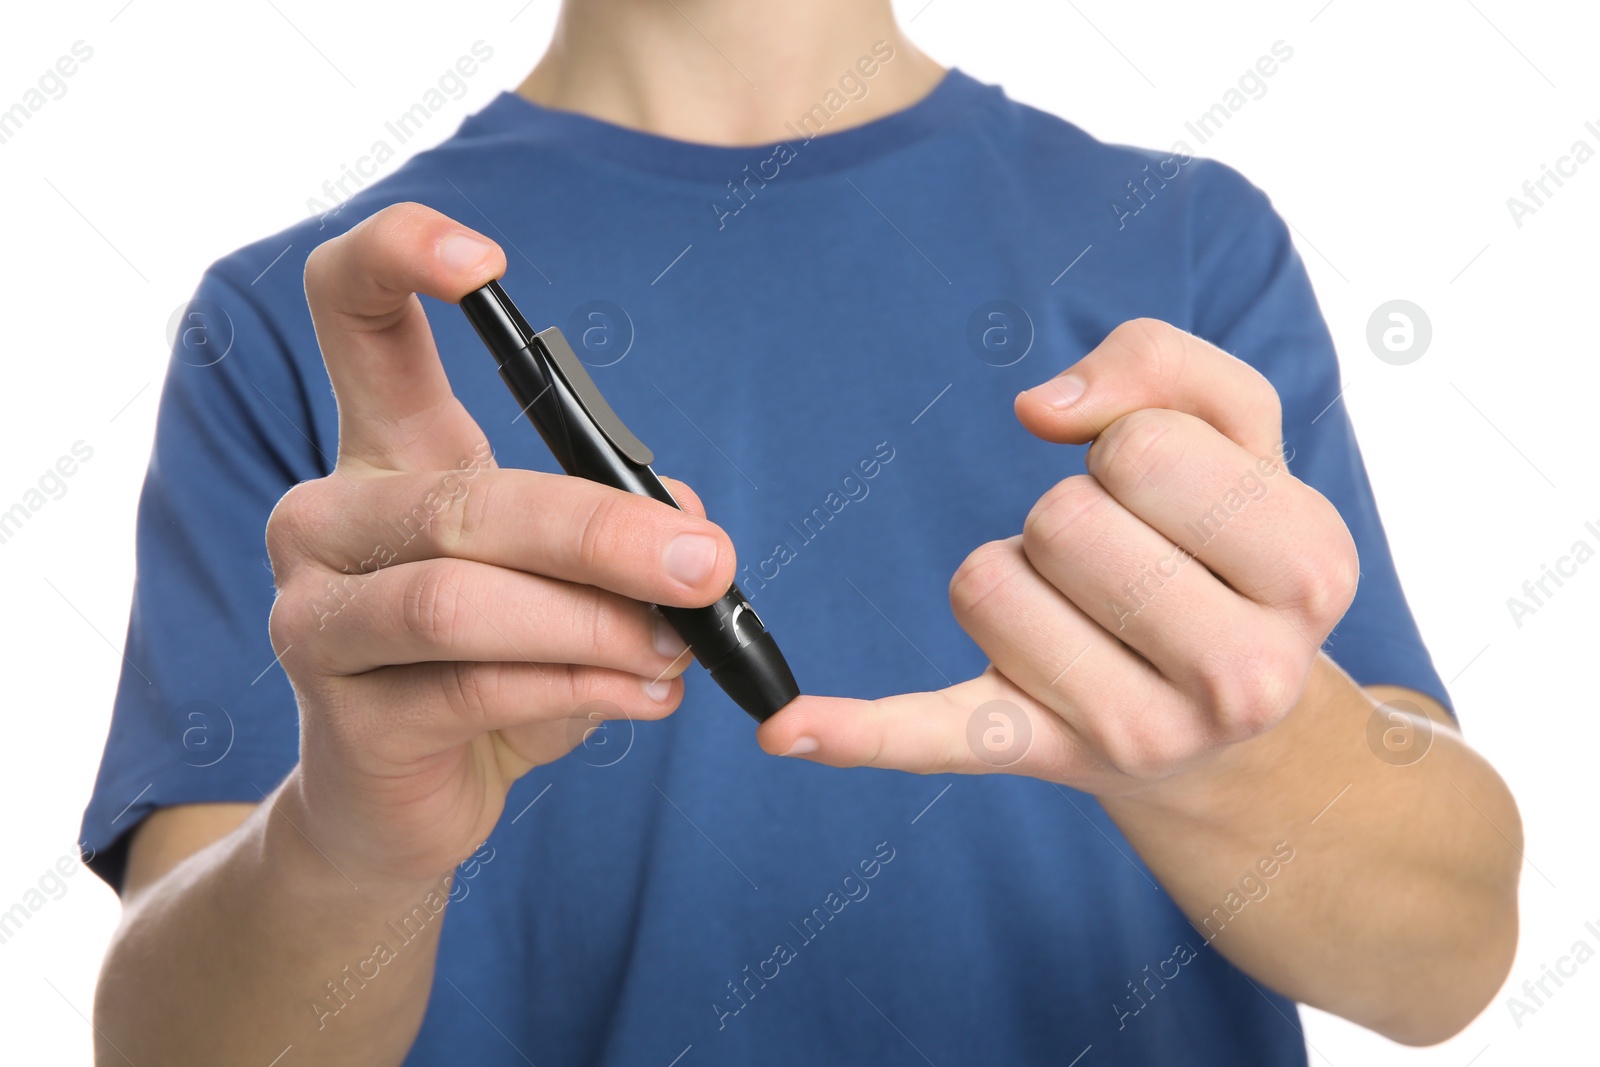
{"type": "Point", "coordinates": [259, 942]}
{"type": "Point", "coordinates": [1398, 907]}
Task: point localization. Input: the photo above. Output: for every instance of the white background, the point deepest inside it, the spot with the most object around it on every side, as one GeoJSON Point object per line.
{"type": "Point", "coordinates": [1390, 141]}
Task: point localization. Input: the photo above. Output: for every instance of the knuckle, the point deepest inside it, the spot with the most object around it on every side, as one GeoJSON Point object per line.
{"type": "Point", "coordinates": [431, 604]}
{"type": "Point", "coordinates": [1267, 403]}
{"type": "Point", "coordinates": [471, 690]}
{"type": "Point", "coordinates": [317, 266]}
{"type": "Point", "coordinates": [1156, 347]}
{"type": "Point", "coordinates": [1138, 759]}
{"type": "Point", "coordinates": [1326, 586]}
{"type": "Point", "coordinates": [1068, 507]}
{"type": "Point", "coordinates": [284, 621]}
{"type": "Point", "coordinates": [292, 525]}
{"type": "Point", "coordinates": [598, 531]}
{"type": "Point", "coordinates": [1249, 690]}
{"type": "Point", "coordinates": [952, 757]}
{"type": "Point", "coordinates": [1143, 444]}
{"type": "Point", "coordinates": [1259, 397]}
{"type": "Point", "coordinates": [394, 225]}
{"type": "Point", "coordinates": [563, 686]}
{"type": "Point", "coordinates": [875, 759]}
{"type": "Point", "coordinates": [295, 620]}
{"type": "Point", "coordinates": [469, 509]}
{"type": "Point", "coordinates": [1145, 751]}
{"type": "Point", "coordinates": [986, 570]}
{"type": "Point", "coordinates": [591, 623]}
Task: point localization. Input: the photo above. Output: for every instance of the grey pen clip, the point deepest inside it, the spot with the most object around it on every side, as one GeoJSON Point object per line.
{"type": "Point", "coordinates": [565, 365]}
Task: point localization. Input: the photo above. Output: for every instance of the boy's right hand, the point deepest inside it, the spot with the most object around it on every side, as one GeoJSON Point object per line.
{"type": "Point", "coordinates": [498, 610]}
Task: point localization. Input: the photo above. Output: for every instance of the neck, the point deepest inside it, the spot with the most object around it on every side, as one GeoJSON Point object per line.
{"type": "Point", "coordinates": [729, 72]}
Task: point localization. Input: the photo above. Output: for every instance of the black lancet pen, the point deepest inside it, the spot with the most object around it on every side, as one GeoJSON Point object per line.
{"type": "Point", "coordinates": [590, 441]}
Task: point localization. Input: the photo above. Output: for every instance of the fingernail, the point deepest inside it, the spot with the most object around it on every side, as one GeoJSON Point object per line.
{"type": "Point", "coordinates": [668, 643]}
{"type": "Point", "coordinates": [802, 746]}
{"type": "Point", "coordinates": [1060, 393]}
{"type": "Point", "coordinates": [658, 691]}
{"type": "Point", "coordinates": [690, 557]}
{"type": "Point", "coordinates": [461, 251]}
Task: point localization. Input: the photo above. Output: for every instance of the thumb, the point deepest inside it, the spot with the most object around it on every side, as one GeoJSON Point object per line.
{"type": "Point", "coordinates": [1146, 363]}
{"type": "Point", "coordinates": [396, 409]}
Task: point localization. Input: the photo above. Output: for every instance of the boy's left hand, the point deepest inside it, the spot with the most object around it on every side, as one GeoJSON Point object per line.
{"type": "Point", "coordinates": [1152, 612]}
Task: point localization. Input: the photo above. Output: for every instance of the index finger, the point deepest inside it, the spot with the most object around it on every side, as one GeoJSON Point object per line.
{"type": "Point", "coordinates": [1146, 363]}
{"type": "Point", "coordinates": [396, 409]}
{"type": "Point", "coordinates": [979, 726]}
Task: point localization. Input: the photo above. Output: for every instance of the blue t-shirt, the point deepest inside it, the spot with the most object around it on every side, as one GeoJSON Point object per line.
{"type": "Point", "coordinates": [776, 324]}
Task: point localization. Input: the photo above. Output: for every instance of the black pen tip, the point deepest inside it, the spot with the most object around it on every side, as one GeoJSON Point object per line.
{"type": "Point", "coordinates": [757, 677]}
{"type": "Point", "coordinates": [496, 319]}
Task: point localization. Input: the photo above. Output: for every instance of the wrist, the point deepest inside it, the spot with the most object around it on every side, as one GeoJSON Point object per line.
{"type": "Point", "coordinates": [310, 869]}
{"type": "Point", "coordinates": [1207, 790]}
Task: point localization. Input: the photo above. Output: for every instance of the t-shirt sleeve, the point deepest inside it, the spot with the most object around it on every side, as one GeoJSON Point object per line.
{"type": "Point", "coordinates": [1253, 299]}
{"type": "Point", "coordinates": [202, 712]}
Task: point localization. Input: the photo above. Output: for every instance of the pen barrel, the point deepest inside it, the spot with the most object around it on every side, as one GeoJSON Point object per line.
{"type": "Point", "coordinates": [727, 637]}
{"type": "Point", "coordinates": [719, 630]}
{"type": "Point", "coordinates": [589, 441]}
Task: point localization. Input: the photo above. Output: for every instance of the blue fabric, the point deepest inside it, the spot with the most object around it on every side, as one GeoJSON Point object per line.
{"type": "Point", "coordinates": [644, 903]}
